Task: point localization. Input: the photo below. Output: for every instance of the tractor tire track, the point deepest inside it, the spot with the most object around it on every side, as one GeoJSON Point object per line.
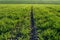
{"type": "Point", "coordinates": [33, 28]}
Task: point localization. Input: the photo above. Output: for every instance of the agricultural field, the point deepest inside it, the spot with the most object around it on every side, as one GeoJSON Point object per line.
{"type": "Point", "coordinates": [15, 21]}
{"type": "Point", "coordinates": [12, 16]}
{"type": "Point", "coordinates": [47, 21]}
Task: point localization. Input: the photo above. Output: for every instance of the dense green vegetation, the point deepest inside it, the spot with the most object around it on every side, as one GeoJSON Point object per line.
{"type": "Point", "coordinates": [47, 21]}
{"type": "Point", "coordinates": [12, 15]}
{"type": "Point", "coordinates": [46, 17]}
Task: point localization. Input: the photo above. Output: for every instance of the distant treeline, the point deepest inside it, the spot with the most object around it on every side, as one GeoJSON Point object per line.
{"type": "Point", "coordinates": [29, 2]}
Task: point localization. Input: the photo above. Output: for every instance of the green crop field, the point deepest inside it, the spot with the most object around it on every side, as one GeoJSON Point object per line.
{"type": "Point", "coordinates": [47, 21]}
{"type": "Point", "coordinates": [46, 18]}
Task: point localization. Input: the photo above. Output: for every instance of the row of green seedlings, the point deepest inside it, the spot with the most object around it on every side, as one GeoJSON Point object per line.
{"type": "Point", "coordinates": [33, 29]}
{"type": "Point", "coordinates": [17, 28]}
